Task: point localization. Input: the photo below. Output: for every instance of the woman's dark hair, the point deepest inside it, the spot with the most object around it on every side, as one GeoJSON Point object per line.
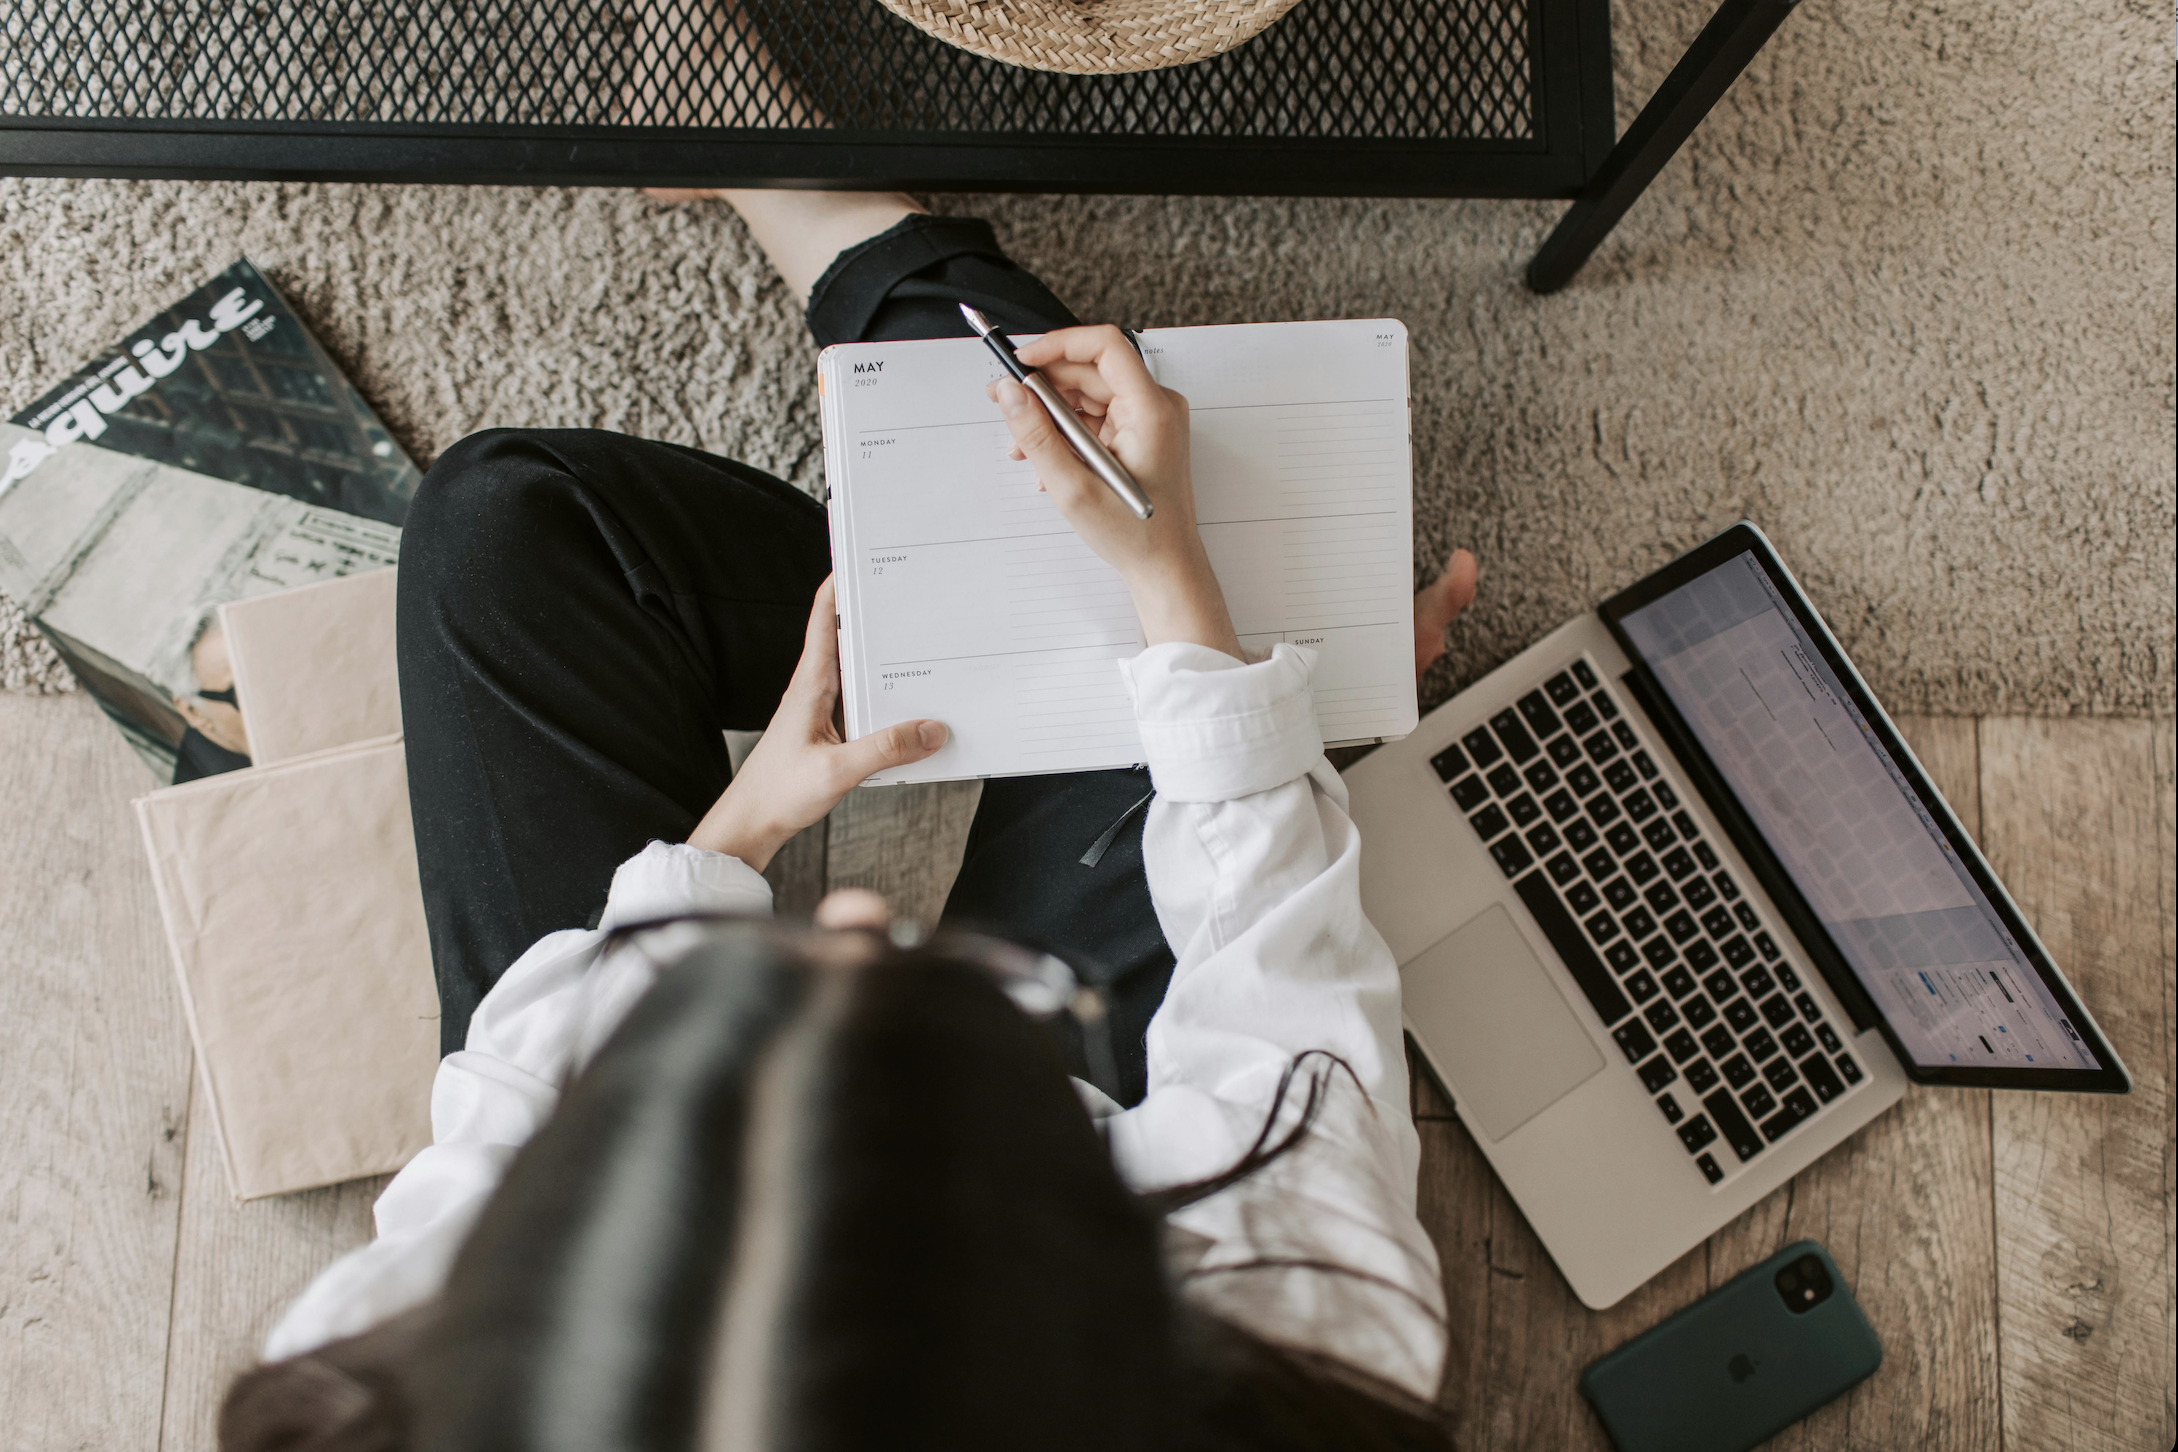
{"type": "Point", "coordinates": [816, 1193]}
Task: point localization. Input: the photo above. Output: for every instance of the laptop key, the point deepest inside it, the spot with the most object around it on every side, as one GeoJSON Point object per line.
{"type": "Point", "coordinates": [1605, 706]}
{"type": "Point", "coordinates": [1658, 835]}
{"type": "Point", "coordinates": [1561, 689]}
{"type": "Point", "coordinates": [1600, 747]}
{"type": "Point", "coordinates": [1768, 945]}
{"type": "Point", "coordinates": [1583, 898]}
{"type": "Point", "coordinates": [1660, 897]}
{"type": "Point", "coordinates": [1647, 768]}
{"type": "Point", "coordinates": [1583, 779]}
{"type": "Point", "coordinates": [1621, 957]}
{"type": "Point", "coordinates": [1787, 977]}
{"type": "Point", "coordinates": [1678, 982]}
{"type": "Point", "coordinates": [1759, 1044]}
{"type": "Point", "coordinates": [1738, 1133]}
{"type": "Point", "coordinates": [1641, 987]}
{"type": "Point", "coordinates": [1489, 821]}
{"type": "Point", "coordinates": [1625, 735]}
{"type": "Point", "coordinates": [1670, 1106]}
{"type": "Point", "coordinates": [1719, 1042]}
{"type": "Point", "coordinates": [1619, 893]}
{"type": "Point", "coordinates": [1562, 868]}
{"type": "Point", "coordinates": [1702, 956]}
{"type": "Point", "coordinates": [1638, 924]}
{"type": "Point", "coordinates": [1621, 838]}
{"type": "Point", "coordinates": [1717, 921]}
{"type": "Point", "coordinates": [1686, 826]}
{"type": "Point", "coordinates": [1706, 856]}
{"type": "Point", "coordinates": [1602, 927]}
{"type": "Point", "coordinates": [1640, 867]}
{"type": "Point", "coordinates": [1584, 675]}
{"type": "Point", "coordinates": [1523, 810]}
{"type": "Point", "coordinates": [1600, 864]}
{"type": "Point", "coordinates": [1755, 980]}
{"type": "Point", "coordinates": [1503, 779]}
{"type": "Point", "coordinates": [1726, 888]}
{"type": "Point", "coordinates": [1656, 1073]}
{"type": "Point", "coordinates": [1665, 796]}
{"type": "Point", "coordinates": [1721, 985]}
{"type": "Point", "coordinates": [1449, 763]}
{"type": "Point", "coordinates": [1580, 719]}
{"type": "Point", "coordinates": [1512, 855]}
{"type": "Point", "coordinates": [1596, 982]}
{"type": "Point", "coordinates": [1640, 806]}
{"type": "Point", "coordinates": [1701, 1075]}
{"type": "Point", "coordinates": [1829, 1037]}
{"type": "Point", "coordinates": [1740, 1014]}
{"type": "Point", "coordinates": [1799, 1104]}
{"type": "Point", "coordinates": [1602, 810]}
{"type": "Point", "coordinates": [1563, 749]}
{"type": "Point", "coordinates": [1678, 864]}
{"type": "Point", "coordinates": [1797, 1040]}
{"type": "Point", "coordinates": [1848, 1068]}
{"type": "Point", "coordinates": [1759, 1100]}
{"type": "Point", "coordinates": [1698, 893]}
{"type": "Point", "coordinates": [1711, 1170]}
{"type": "Point", "coordinates": [1809, 1008]}
{"type": "Point", "coordinates": [1746, 916]}
{"type": "Point", "coordinates": [1470, 792]}
{"type": "Point", "coordinates": [1539, 777]}
{"type": "Point", "coordinates": [1820, 1077]}
{"type": "Point", "coordinates": [1700, 1012]}
{"type": "Point", "coordinates": [1579, 835]}
{"type": "Point", "coordinates": [1696, 1133]}
{"type": "Point", "coordinates": [1634, 1040]}
{"type": "Point", "coordinates": [1482, 746]}
{"type": "Point", "coordinates": [1780, 1074]}
{"type": "Point", "coordinates": [1680, 925]}
{"type": "Point", "coordinates": [1542, 838]}
{"type": "Point", "coordinates": [1681, 1046]}
{"type": "Point", "coordinates": [1518, 743]}
{"type": "Point", "coordinates": [1737, 1071]}
{"type": "Point", "coordinates": [1776, 1009]}
{"type": "Point", "coordinates": [1658, 951]}
{"type": "Point", "coordinates": [1537, 713]}
{"type": "Point", "coordinates": [1621, 776]}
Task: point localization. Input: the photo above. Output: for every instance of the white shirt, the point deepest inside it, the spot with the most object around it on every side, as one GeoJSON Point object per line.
{"type": "Point", "coordinates": [1254, 869]}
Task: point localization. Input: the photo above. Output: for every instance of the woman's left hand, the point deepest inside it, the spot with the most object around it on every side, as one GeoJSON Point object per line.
{"type": "Point", "coordinates": [802, 767]}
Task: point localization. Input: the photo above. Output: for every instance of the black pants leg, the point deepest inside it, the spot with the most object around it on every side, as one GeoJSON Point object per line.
{"type": "Point", "coordinates": [581, 613]}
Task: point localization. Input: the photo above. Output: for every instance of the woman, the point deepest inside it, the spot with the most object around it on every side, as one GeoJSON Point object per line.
{"type": "Point", "coordinates": [804, 1188]}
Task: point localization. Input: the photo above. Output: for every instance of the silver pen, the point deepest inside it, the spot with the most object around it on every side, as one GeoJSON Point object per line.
{"type": "Point", "coordinates": [1086, 444]}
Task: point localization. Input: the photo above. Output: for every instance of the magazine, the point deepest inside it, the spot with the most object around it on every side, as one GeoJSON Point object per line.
{"type": "Point", "coordinates": [214, 453]}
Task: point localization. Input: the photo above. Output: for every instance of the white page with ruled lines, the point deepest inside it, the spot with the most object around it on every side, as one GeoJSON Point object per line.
{"type": "Point", "coordinates": [966, 598]}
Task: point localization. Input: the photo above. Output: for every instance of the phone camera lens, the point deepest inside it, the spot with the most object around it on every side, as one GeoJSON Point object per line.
{"type": "Point", "coordinates": [1803, 1285]}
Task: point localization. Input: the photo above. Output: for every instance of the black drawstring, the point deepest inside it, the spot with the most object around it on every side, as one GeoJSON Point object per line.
{"type": "Point", "coordinates": [1098, 848]}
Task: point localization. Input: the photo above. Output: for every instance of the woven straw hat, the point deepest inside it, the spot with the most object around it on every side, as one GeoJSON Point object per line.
{"type": "Point", "coordinates": [1091, 37]}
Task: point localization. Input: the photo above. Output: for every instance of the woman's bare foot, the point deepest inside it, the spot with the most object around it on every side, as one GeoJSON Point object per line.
{"type": "Point", "coordinates": [1437, 604]}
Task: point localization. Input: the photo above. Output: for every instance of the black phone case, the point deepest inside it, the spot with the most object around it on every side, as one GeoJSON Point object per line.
{"type": "Point", "coordinates": [1735, 1367]}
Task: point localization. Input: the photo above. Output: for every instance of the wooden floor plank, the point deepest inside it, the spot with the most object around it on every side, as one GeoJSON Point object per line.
{"type": "Point", "coordinates": [2077, 818]}
{"type": "Point", "coordinates": [237, 1267]}
{"type": "Point", "coordinates": [94, 1074]}
{"type": "Point", "coordinates": [797, 873]}
{"type": "Point", "coordinates": [903, 841]}
{"type": "Point", "coordinates": [1903, 1207]}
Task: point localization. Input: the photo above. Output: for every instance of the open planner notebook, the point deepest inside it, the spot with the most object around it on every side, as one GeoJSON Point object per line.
{"type": "Point", "coordinates": [966, 598]}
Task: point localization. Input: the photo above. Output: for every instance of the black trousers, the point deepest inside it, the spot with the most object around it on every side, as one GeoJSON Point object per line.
{"type": "Point", "coordinates": [580, 615]}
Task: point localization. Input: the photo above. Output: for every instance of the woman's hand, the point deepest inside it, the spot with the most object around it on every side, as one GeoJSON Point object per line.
{"type": "Point", "coordinates": [801, 768]}
{"type": "Point", "coordinates": [1161, 558]}
{"type": "Point", "coordinates": [1437, 604]}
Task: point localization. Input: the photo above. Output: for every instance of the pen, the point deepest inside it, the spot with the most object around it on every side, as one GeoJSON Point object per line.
{"type": "Point", "coordinates": [1086, 444]}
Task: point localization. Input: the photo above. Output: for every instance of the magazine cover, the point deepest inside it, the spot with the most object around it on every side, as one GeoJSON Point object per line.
{"type": "Point", "coordinates": [214, 453]}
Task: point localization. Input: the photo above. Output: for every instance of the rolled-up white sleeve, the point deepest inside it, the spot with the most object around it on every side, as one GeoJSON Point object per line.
{"type": "Point", "coordinates": [1254, 869]}
{"type": "Point", "coordinates": [544, 1018]}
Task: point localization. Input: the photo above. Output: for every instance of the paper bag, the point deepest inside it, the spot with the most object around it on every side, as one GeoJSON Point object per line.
{"type": "Point", "coordinates": [314, 667]}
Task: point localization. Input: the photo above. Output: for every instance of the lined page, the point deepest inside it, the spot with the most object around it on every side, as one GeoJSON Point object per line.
{"type": "Point", "coordinates": [967, 598]}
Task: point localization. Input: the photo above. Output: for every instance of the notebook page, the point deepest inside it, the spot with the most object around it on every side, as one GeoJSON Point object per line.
{"type": "Point", "coordinates": [966, 597]}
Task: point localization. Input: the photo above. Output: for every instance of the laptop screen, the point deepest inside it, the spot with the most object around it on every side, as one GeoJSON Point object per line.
{"type": "Point", "coordinates": [1872, 863]}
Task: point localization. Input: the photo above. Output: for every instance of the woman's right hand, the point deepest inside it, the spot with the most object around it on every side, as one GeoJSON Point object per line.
{"type": "Point", "coordinates": [1162, 560]}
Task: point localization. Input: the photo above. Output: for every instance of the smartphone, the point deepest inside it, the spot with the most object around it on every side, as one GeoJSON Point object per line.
{"type": "Point", "coordinates": [1741, 1364]}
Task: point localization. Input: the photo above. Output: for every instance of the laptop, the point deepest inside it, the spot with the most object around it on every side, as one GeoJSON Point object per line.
{"type": "Point", "coordinates": [1677, 911]}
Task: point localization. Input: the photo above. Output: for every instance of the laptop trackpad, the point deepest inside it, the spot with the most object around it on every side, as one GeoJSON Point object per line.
{"type": "Point", "coordinates": [1496, 1024]}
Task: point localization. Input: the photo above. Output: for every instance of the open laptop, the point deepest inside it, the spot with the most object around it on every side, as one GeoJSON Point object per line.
{"type": "Point", "coordinates": [1677, 911]}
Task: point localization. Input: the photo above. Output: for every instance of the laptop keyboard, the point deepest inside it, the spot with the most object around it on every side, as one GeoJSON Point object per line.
{"type": "Point", "coordinates": [1674, 959]}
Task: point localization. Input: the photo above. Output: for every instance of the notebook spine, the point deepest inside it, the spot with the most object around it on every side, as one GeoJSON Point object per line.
{"type": "Point", "coordinates": [831, 404]}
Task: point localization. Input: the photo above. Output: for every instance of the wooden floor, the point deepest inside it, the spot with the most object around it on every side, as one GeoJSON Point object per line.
{"type": "Point", "coordinates": [2014, 1251]}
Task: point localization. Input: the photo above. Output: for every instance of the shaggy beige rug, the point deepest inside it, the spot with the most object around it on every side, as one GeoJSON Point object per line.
{"type": "Point", "coordinates": [1907, 300]}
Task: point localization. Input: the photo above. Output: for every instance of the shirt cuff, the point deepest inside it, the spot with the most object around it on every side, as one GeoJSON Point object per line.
{"type": "Point", "coordinates": [1214, 729]}
{"type": "Point", "coordinates": [667, 879]}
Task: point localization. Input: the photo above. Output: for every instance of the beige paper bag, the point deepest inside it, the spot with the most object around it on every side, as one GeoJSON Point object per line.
{"type": "Point", "coordinates": [314, 667]}
{"type": "Point", "coordinates": [292, 906]}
